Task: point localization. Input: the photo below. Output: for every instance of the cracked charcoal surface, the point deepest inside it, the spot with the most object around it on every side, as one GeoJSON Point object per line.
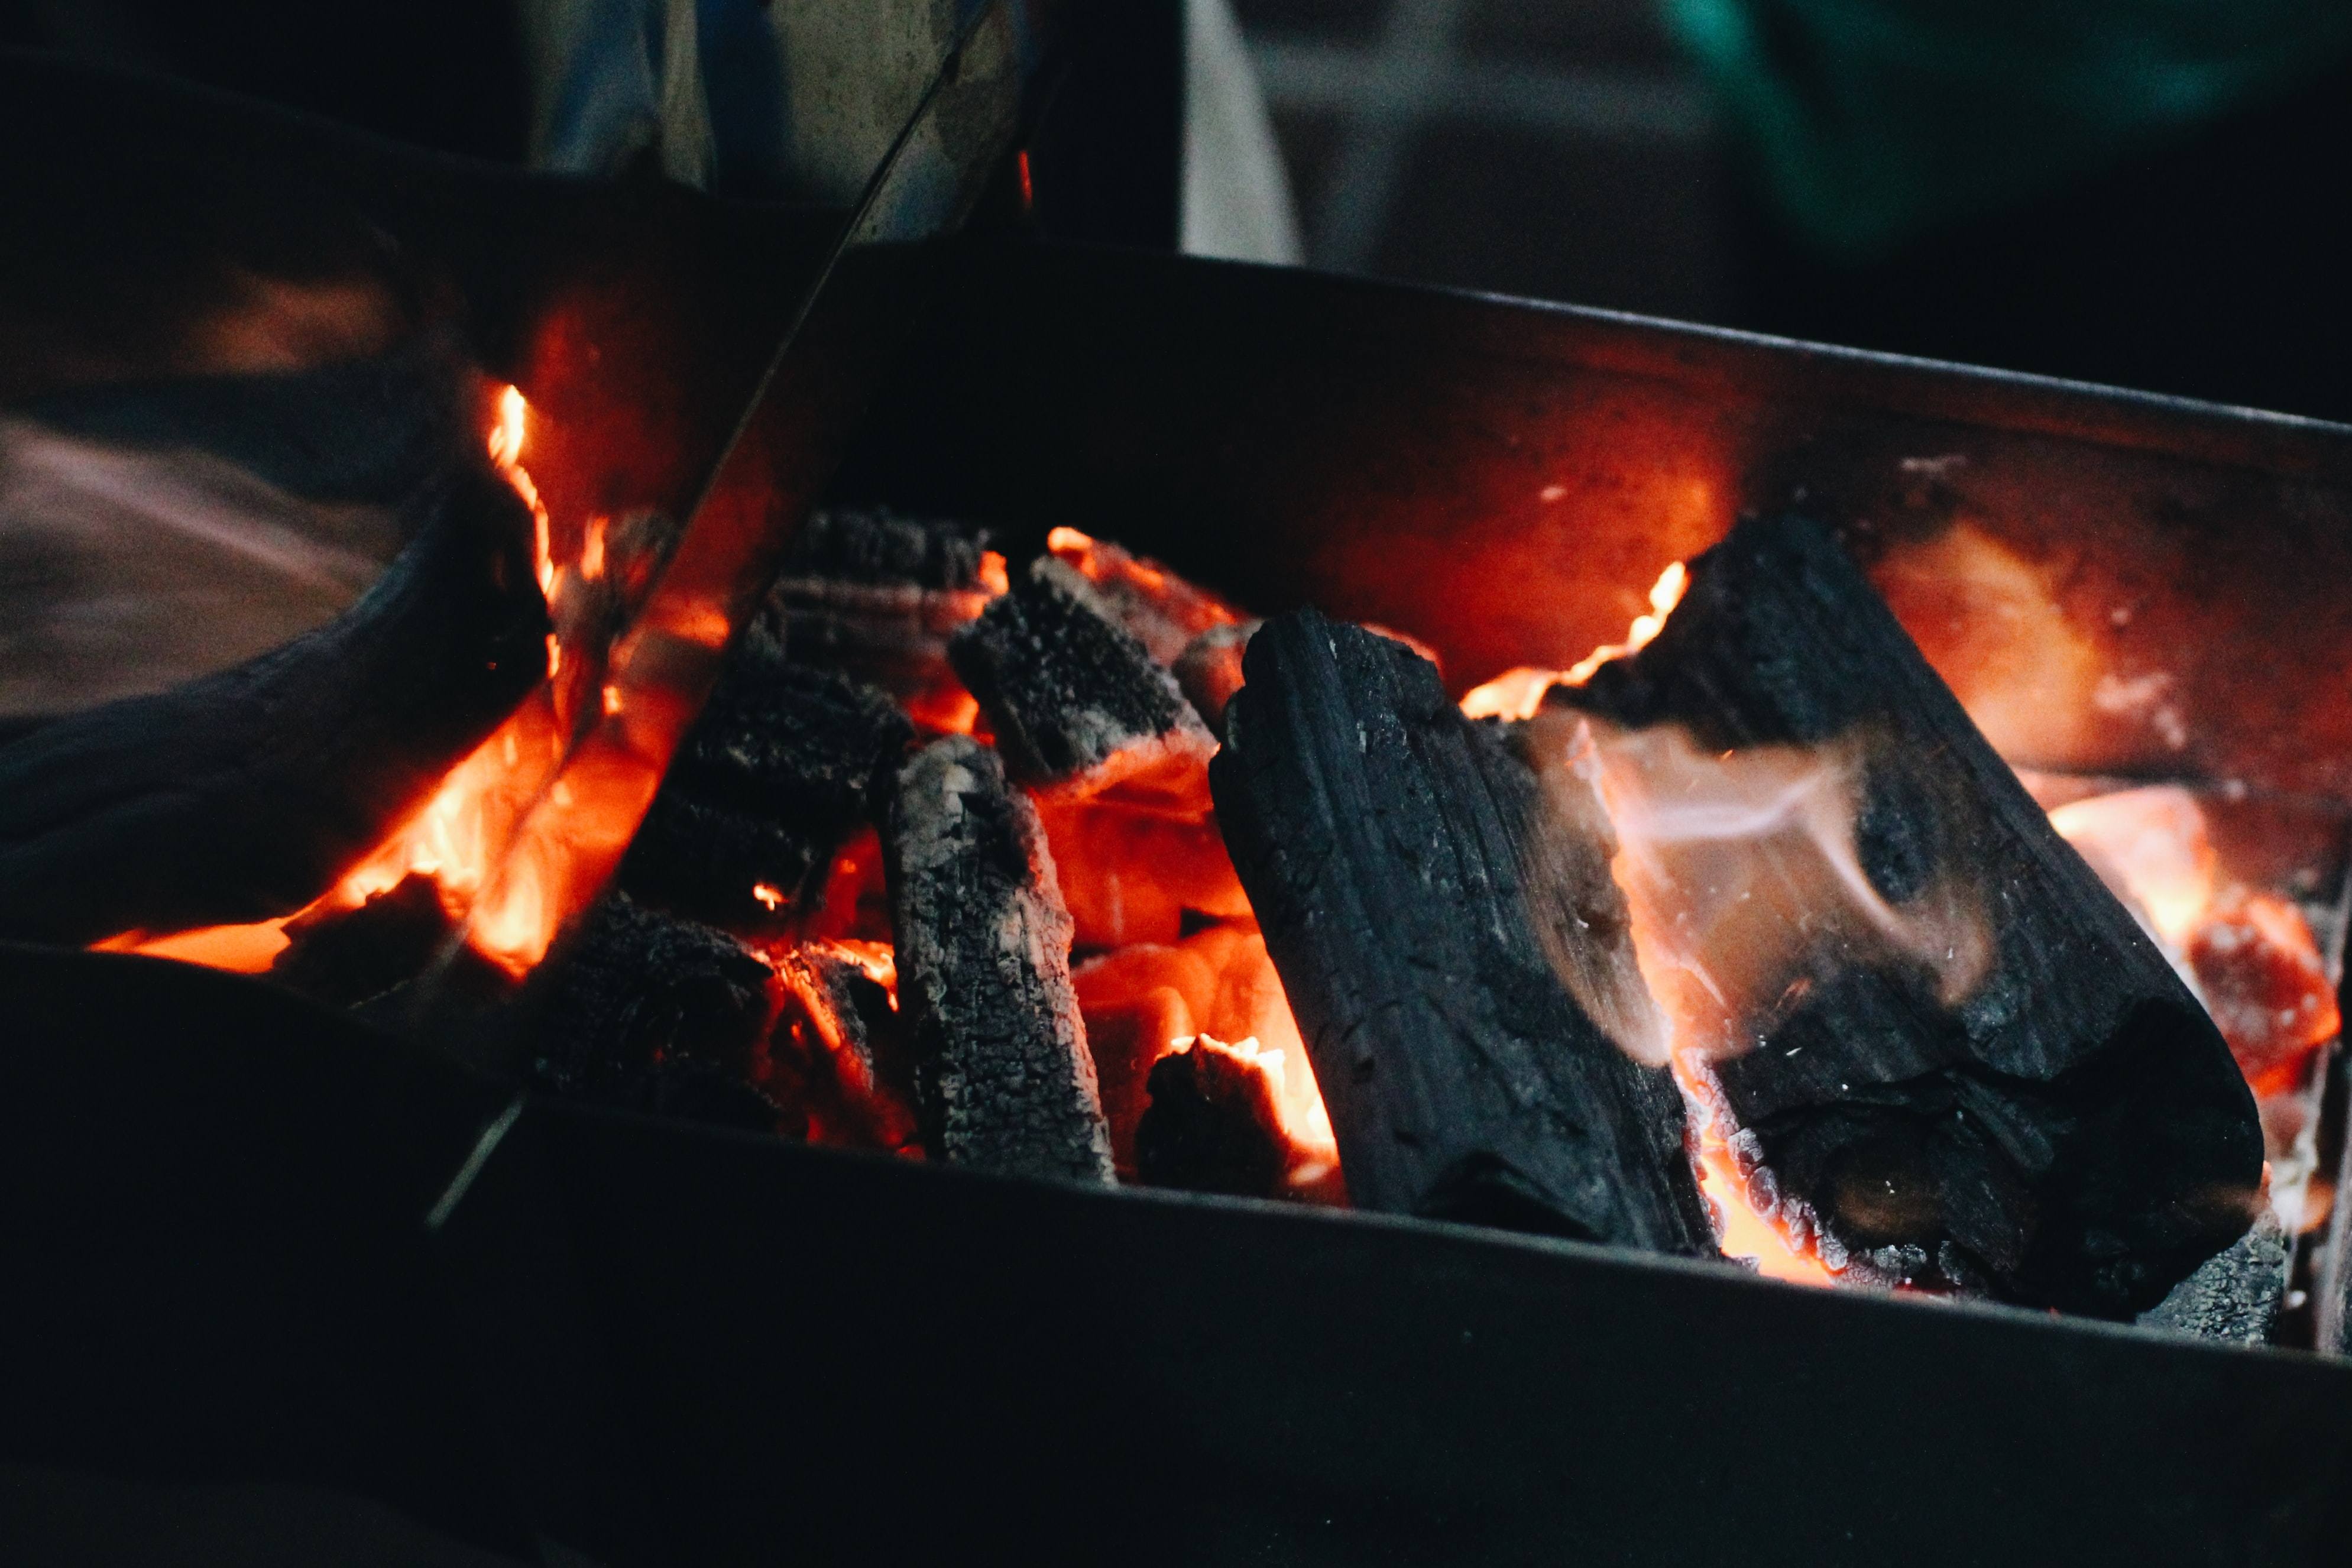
{"type": "Point", "coordinates": [1004, 1079]}
{"type": "Point", "coordinates": [1066, 690]}
{"type": "Point", "coordinates": [875, 545]}
{"type": "Point", "coordinates": [2234, 1296]}
{"type": "Point", "coordinates": [1399, 858]}
{"type": "Point", "coordinates": [656, 1013]}
{"type": "Point", "coordinates": [784, 763]}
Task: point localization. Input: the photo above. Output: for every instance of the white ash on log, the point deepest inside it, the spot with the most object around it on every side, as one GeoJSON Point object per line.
{"type": "Point", "coordinates": [1153, 604]}
{"type": "Point", "coordinates": [784, 763]}
{"type": "Point", "coordinates": [1005, 1080]}
{"type": "Point", "coordinates": [877, 596]}
{"type": "Point", "coordinates": [1397, 856]}
{"type": "Point", "coordinates": [1077, 703]}
{"type": "Point", "coordinates": [243, 794]}
{"type": "Point", "coordinates": [647, 1012]}
{"type": "Point", "coordinates": [2067, 1130]}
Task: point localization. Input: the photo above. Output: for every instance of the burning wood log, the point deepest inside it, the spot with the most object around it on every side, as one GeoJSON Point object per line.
{"type": "Point", "coordinates": [877, 596]}
{"type": "Point", "coordinates": [1153, 604]}
{"type": "Point", "coordinates": [1078, 704]}
{"type": "Point", "coordinates": [1402, 863]}
{"type": "Point", "coordinates": [241, 795]}
{"type": "Point", "coordinates": [1986, 1074]}
{"type": "Point", "coordinates": [840, 1025]}
{"type": "Point", "coordinates": [785, 763]}
{"type": "Point", "coordinates": [1208, 670]}
{"type": "Point", "coordinates": [650, 1013]}
{"type": "Point", "coordinates": [1006, 1083]}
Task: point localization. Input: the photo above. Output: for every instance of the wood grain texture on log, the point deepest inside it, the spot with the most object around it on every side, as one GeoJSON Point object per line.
{"type": "Point", "coordinates": [647, 1012]}
{"type": "Point", "coordinates": [839, 1021]}
{"type": "Point", "coordinates": [784, 763]}
{"type": "Point", "coordinates": [243, 794]}
{"type": "Point", "coordinates": [2071, 1126]}
{"type": "Point", "coordinates": [1005, 1080]}
{"type": "Point", "coordinates": [1077, 703]}
{"type": "Point", "coordinates": [1396, 856]}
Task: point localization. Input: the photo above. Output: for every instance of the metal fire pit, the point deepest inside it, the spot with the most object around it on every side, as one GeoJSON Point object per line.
{"type": "Point", "coordinates": [253, 1241]}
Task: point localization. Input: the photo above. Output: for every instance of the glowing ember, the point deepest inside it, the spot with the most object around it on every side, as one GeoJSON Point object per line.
{"type": "Point", "coordinates": [506, 451]}
{"type": "Point", "coordinates": [768, 897]}
{"type": "Point", "coordinates": [1518, 693]}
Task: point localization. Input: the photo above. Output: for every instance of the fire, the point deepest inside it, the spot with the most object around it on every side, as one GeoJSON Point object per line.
{"type": "Point", "coordinates": [453, 838]}
{"type": "Point", "coordinates": [1518, 693]}
{"type": "Point", "coordinates": [506, 451]}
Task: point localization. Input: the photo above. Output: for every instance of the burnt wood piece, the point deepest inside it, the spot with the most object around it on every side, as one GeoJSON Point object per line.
{"type": "Point", "coordinates": [1077, 703]}
{"type": "Point", "coordinates": [1158, 608]}
{"type": "Point", "coordinates": [784, 763]}
{"type": "Point", "coordinates": [590, 612]}
{"type": "Point", "coordinates": [243, 794]}
{"type": "Point", "coordinates": [2234, 1296]}
{"type": "Point", "coordinates": [2074, 1125]}
{"type": "Point", "coordinates": [1212, 1125]}
{"type": "Point", "coordinates": [1004, 1079]}
{"type": "Point", "coordinates": [877, 596]}
{"type": "Point", "coordinates": [1397, 856]}
{"type": "Point", "coordinates": [839, 1023]}
{"type": "Point", "coordinates": [647, 1012]}
{"type": "Point", "coordinates": [345, 956]}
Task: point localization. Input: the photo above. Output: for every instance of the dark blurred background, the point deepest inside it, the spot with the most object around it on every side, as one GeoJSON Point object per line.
{"type": "Point", "coordinates": [2160, 202]}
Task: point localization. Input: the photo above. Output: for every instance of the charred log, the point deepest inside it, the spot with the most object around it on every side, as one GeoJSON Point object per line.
{"type": "Point", "coordinates": [1400, 862]}
{"type": "Point", "coordinates": [877, 596]}
{"type": "Point", "coordinates": [650, 1013]}
{"type": "Point", "coordinates": [2070, 1127]}
{"type": "Point", "coordinates": [1004, 1079]}
{"type": "Point", "coordinates": [243, 794]}
{"type": "Point", "coordinates": [1153, 604]}
{"type": "Point", "coordinates": [1077, 703]}
{"type": "Point", "coordinates": [1212, 1125]}
{"type": "Point", "coordinates": [2234, 1296]}
{"type": "Point", "coordinates": [785, 763]}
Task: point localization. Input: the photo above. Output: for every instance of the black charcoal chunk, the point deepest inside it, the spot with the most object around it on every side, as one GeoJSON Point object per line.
{"type": "Point", "coordinates": [1004, 1079]}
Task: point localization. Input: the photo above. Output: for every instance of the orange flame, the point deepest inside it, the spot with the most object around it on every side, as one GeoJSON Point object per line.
{"type": "Point", "coordinates": [1519, 693]}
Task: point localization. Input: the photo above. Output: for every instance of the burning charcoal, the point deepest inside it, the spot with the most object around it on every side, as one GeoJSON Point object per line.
{"type": "Point", "coordinates": [877, 597]}
{"type": "Point", "coordinates": [1004, 1077]}
{"type": "Point", "coordinates": [1208, 670]}
{"type": "Point", "coordinates": [1154, 605]}
{"type": "Point", "coordinates": [785, 763]}
{"type": "Point", "coordinates": [2263, 981]}
{"type": "Point", "coordinates": [1139, 871]}
{"type": "Point", "coordinates": [1213, 1125]}
{"type": "Point", "coordinates": [651, 1012]}
{"type": "Point", "coordinates": [345, 956]}
{"type": "Point", "coordinates": [839, 1022]}
{"type": "Point", "coordinates": [2234, 1296]}
{"type": "Point", "coordinates": [1972, 1042]}
{"type": "Point", "coordinates": [1398, 856]}
{"type": "Point", "coordinates": [1077, 703]}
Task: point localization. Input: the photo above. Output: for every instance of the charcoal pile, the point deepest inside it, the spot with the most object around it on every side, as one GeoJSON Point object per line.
{"type": "Point", "coordinates": [936, 874]}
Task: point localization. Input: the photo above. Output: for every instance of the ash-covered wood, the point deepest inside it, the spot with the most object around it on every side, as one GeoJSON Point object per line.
{"type": "Point", "coordinates": [784, 763]}
{"type": "Point", "coordinates": [647, 1012]}
{"type": "Point", "coordinates": [1211, 1125]}
{"type": "Point", "coordinates": [1155, 605]}
{"type": "Point", "coordinates": [1398, 860]}
{"type": "Point", "coordinates": [877, 596]}
{"type": "Point", "coordinates": [2071, 1128]}
{"type": "Point", "coordinates": [243, 794]}
{"type": "Point", "coordinates": [1208, 670]}
{"type": "Point", "coordinates": [1077, 703]}
{"type": "Point", "coordinates": [2234, 1296]}
{"type": "Point", "coordinates": [1005, 1082]}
